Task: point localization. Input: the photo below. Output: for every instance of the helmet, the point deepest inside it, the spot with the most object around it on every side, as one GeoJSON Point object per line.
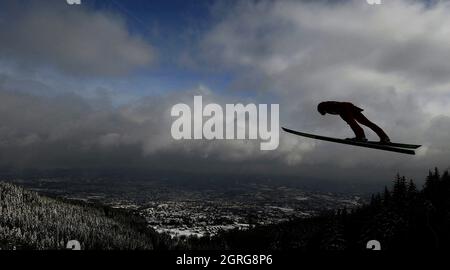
{"type": "Point", "coordinates": [321, 108]}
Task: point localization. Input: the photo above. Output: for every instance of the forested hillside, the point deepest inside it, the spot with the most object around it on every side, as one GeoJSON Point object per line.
{"type": "Point", "coordinates": [30, 221]}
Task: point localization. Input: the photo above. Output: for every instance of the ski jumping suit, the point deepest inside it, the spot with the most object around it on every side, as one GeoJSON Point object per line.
{"type": "Point", "coordinates": [352, 115]}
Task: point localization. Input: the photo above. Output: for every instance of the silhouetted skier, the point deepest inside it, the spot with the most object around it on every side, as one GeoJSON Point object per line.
{"type": "Point", "coordinates": [352, 115]}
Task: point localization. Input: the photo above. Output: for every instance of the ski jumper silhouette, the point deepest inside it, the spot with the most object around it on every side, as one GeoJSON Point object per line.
{"type": "Point", "coordinates": [352, 115]}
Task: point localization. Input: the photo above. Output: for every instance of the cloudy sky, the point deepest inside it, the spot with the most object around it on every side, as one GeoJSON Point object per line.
{"type": "Point", "coordinates": [92, 85]}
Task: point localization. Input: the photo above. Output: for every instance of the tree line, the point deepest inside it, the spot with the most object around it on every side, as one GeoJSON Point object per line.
{"type": "Point", "coordinates": [402, 217]}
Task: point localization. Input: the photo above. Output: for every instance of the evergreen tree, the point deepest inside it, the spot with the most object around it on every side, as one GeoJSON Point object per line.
{"type": "Point", "coordinates": [399, 190]}
{"type": "Point", "coordinates": [411, 191]}
{"type": "Point", "coordinates": [412, 188]}
{"type": "Point", "coordinates": [386, 195]}
{"type": "Point", "coordinates": [431, 183]}
{"type": "Point", "coordinates": [376, 200]}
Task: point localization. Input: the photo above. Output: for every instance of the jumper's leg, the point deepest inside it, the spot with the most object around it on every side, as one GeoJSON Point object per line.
{"type": "Point", "coordinates": [364, 121]}
{"type": "Point", "coordinates": [357, 129]}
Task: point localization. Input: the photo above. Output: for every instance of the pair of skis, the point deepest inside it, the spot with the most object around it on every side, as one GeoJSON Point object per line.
{"type": "Point", "coordinates": [392, 147]}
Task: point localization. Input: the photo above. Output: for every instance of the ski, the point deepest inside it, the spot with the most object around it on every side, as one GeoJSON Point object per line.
{"type": "Point", "coordinates": [373, 145]}
{"type": "Point", "coordinates": [398, 145]}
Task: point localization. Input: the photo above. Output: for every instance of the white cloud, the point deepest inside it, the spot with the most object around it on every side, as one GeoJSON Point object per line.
{"type": "Point", "coordinates": [70, 39]}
